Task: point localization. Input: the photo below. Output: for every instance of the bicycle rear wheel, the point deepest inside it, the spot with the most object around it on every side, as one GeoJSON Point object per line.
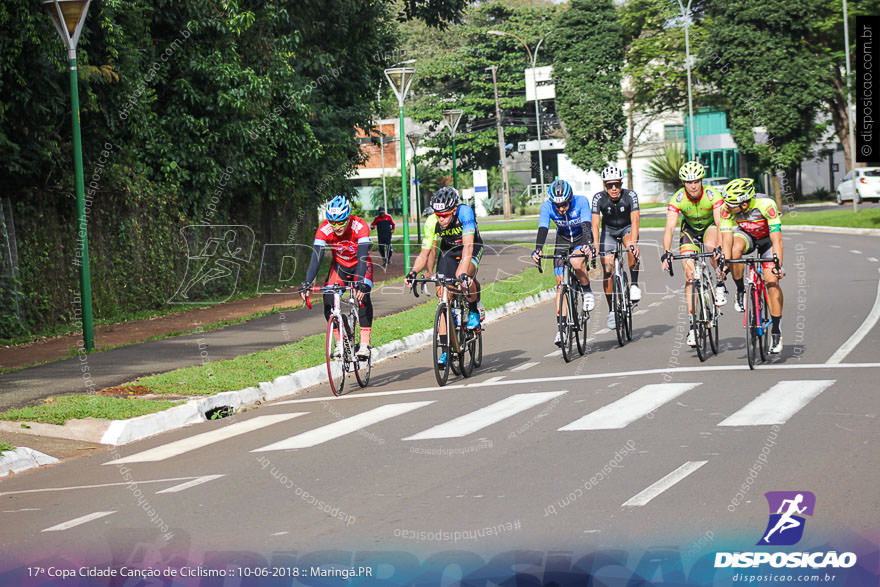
{"type": "Point", "coordinates": [752, 341]}
{"type": "Point", "coordinates": [441, 372]}
{"type": "Point", "coordinates": [477, 348]}
{"type": "Point", "coordinates": [465, 345]}
{"type": "Point", "coordinates": [565, 329]}
{"type": "Point", "coordinates": [363, 369]}
{"type": "Point", "coordinates": [336, 366]}
{"type": "Point", "coordinates": [698, 320]}
{"type": "Point", "coordinates": [619, 313]}
{"type": "Point", "coordinates": [764, 339]}
{"type": "Point", "coordinates": [577, 311]}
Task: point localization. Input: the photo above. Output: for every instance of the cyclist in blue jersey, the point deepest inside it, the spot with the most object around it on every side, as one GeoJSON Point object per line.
{"type": "Point", "coordinates": [571, 214]}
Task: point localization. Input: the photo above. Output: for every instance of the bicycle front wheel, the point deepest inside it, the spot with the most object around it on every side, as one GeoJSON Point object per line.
{"type": "Point", "coordinates": [627, 306]}
{"type": "Point", "coordinates": [752, 341]}
{"type": "Point", "coordinates": [465, 345]}
{"type": "Point", "coordinates": [619, 313]}
{"type": "Point", "coordinates": [565, 330]}
{"type": "Point", "coordinates": [363, 368]}
{"type": "Point", "coordinates": [335, 352]}
{"type": "Point", "coordinates": [764, 315]}
{"type": "Point", "coordinates": [698, 320]}
{"type": "Point", "coordinates": [712, 308]}
{"type": "Point", "coordinates": [441, 370]}
{"type": "Point", "coordinates": [476, 348]}
{"type": "Point", "coordinates": [576, 312]}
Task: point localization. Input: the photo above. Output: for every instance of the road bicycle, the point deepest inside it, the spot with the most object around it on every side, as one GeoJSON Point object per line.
{"type": "Point", "coordinates": [463, 347]}
{"type": "Point", "coordinates": [573, 319]}
{"type": "Point", "coordinates": [343, 338]}
{"type": "Point", "coordinates": [621, 303]}
{"type": "Point", "coordinates": [705, 310]}
{"type": "Point", "coordinates": [756, 319]}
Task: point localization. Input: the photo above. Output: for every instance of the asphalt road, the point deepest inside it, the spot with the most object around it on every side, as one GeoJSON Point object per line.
{"type": "Point", "coordinates": [640, 447]}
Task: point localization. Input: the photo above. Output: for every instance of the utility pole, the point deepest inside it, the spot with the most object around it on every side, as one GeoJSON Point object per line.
{"type": "Point", "coordinates": [382, 150]}
{"type": "Point", "coordinates": [505, 191]}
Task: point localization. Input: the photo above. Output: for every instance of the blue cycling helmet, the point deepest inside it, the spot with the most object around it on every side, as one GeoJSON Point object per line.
{"type": "Point", "coordinates": [338, 210]}
{"type": "Point", "coordinates": [559, 192]}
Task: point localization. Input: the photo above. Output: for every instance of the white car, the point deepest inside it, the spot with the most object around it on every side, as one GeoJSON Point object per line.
{"type": "Point", "coordinates": [865, 181]}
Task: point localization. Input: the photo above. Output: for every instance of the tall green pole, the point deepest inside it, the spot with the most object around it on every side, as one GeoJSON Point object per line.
{"type": "Point", "coordinates": [82, 232]}
{"type": "Point", "coordinates": [403, 186]}
{"type": "Point", "coordinates": [418, 189]}
{"type": "Point", "coordinates": [454, 170]}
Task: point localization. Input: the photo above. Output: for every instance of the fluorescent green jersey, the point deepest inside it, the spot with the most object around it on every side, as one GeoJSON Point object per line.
{"type": "Point", "coordinates": [699, 214]}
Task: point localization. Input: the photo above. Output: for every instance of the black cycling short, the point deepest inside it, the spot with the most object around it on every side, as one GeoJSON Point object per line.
{"type": "Point", "coordinates": [447, 261]}
{"type": "Point", "coordinates": [565, 246]}
{"type": "Point", "coordinates": [691, 238]}
{"type": "Point", "coordinates": [608, 238]}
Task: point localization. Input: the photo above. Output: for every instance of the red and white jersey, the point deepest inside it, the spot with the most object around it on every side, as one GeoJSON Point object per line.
{"type": "Point", "coordinates": [344, 247]}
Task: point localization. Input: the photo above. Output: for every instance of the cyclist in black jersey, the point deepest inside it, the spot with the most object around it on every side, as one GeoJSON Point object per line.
{"type": "Point", "coordinates": [619, 211]}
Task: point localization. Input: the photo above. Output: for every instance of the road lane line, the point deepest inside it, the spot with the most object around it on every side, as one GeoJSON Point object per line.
{"type": "Point", "coordinates": [642, 498]}
{"type": "Point", "coordinates": [630, 408]}
{"type": "Point", "coordinates": [484, 417]}
{"type": "Point", "coordinates": [873, 259]}
{"type": "Point", "coordinates": [78, 521]}
{"type": "Point", "coordinates": [556, 353]}
{"type": "Point", "coordinates": [857, 336]}
{"type": "Point", "coordinates": [524, 366]}
{"type": "Point", "coordinates": [96, 486]}
{"type": "Point", "coordinates": [778, 404]}
{"type": "Point", "coordinates": [189, 484]}
{"type": "Point", "coordinates": [855, 252]}
{"type": "Point", "coordinates": [609, 375]}
{"type": "Point", "coordinates": [495, 379]}
{"type": "Point", "coordinates": [343, 427]}
{"type": "Point", "coordinates": [160, 453]}
{"type": "Point", "coordinates": [654, 304]}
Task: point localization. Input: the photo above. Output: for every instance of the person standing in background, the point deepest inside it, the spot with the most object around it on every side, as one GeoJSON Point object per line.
{"type": "Point", "coordinates": [384, 225]}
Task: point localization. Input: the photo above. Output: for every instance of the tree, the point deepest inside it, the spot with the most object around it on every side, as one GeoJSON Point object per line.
{"type": "Point", "coordinates": [588, 57]}
{"type": "Point", "coordinates": [756, 55]}
{"type": "Point", "coordinates": [451, 73]}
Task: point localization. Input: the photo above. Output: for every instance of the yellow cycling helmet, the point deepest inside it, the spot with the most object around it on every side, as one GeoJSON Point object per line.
{"type": "Point", "coordinates": [692, 171]}
{"type": "Point", "coordinates": [739, 191]}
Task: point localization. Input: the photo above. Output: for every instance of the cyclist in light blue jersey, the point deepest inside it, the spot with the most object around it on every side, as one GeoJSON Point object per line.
{"type": "Point", "coordinates": [571, 215]}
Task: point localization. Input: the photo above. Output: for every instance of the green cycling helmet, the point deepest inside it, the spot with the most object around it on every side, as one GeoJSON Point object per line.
{"type": "Point", "coordinates": [692, 171]}
{"type": "Point", "coordinates": [739, 191]}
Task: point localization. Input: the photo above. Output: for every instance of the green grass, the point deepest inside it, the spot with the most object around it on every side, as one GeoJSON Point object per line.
{"type": "Point", "coordinates": [868, 218]}
{"type": "Point", "coordinates": [5, 447]}
{"type": "Point", "coordinates": [248, 370]}
{"type": "Point", "coordinates": [58, 410]}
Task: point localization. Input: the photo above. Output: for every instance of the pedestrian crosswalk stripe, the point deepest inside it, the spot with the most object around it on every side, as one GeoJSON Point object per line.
{"type": "Point", "coordinates": [178, 447]}
{"type": "Point", "coordinates": [78, 521]}
{"type": "Point", "coordinates": [643, 497]}
{"type": "Point", "coordinates": [190, 484]}
{"type": "Point", "coordinates": [343, 427]}
{"type": "Point", "coordinates": [630, 408]}
{"type": "Point", "coordinates": [778, 404]}
{"type": "Point", "coordinates": [524, 366]}
{"type": "Point", "coordinates": [484, 417]}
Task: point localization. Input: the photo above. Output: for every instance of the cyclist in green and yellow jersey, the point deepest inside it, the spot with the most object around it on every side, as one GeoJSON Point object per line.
{"type": "Point", "coordinates": [700, 208]}
{"type": "Point", "coordinates": [750, 222]}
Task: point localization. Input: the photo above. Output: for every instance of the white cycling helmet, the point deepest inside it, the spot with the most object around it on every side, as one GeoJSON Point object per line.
{"type": "Point", "coordinates": [611, 173]}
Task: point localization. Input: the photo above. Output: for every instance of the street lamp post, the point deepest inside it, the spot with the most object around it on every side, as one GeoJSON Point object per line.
{"type": "Point", "coordinates": [69, 17]}
{"type": "Point", "coordinates": [533, 57]}
{"type": "Point", "coordinates": [414, 139]}
{"type": "Point", "coordinates": [452, 118]}
{"type": "Point", "coordinates": [505, 186]}
{"type": "Point", "coordinates": [851, 109]}
{"type": "Point", "coordinates": [382, 148]}
{"type": "Point", "coordinates": [685, 14]}
{"type": "Point", "coordinates": [400, 79]}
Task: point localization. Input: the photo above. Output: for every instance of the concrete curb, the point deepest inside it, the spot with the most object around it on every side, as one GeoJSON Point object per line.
{"type": "Point", "coordinates": [22, 459]}
{"type": "Point", "coordinates": [833, 229]}
{"type": "Point", "coordinates": [118, 432]}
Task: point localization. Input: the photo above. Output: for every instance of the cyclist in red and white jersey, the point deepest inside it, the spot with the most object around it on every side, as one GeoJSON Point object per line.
{"type": "Point", "coordinates": [348, 238]}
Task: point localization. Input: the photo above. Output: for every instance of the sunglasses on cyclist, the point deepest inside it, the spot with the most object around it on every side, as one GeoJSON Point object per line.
{"type": "Point", "coordinates": [613, 184]}
{"type": "Point", "coordinates": [446, 214]}
{"type": "Point", "coordinates": [338, 224]}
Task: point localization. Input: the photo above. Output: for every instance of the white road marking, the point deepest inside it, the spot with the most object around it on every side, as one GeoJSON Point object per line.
{"type": "Point", "coordinates": [188, 484]}
{"type": "Point", "coordinates": [493, 379]}
{"type": "Point", "coordinates": [645, 496]}
{"type": "Point", "coordinates": [563, 378]}
{"type": "Point", "coordinates": [810, 242]}
{"type": "Point", "coordinates": [855, 252]}
{"type": "Point", "coordinates": [778, 404]}
{"type": "Point", "coordinates": [631, 407]}
{"type": "Point", "coordinates": [160, 453]}
{"type": "Point", "coordinates": [484, 417]}
{"type": "Point", "coordinates": [654, 304]}
{"type": "Point", "coordinates": [639, 312]}
{"type": "Point", "coordinates": [96, 486]}
{"type": "Point", "coordinates": [601, 331]}
{"type": "Point", "coordinates": [343, 427]}
{"type": "Point", "coordinates": [524, 366]}
{"type": "Point", "coordinates": [78, 521]}
{"type": "Point", "coordinates": [669, 296]}
{"type": "Point", "coordinates": [21, 510]}
{"type": "Point", "coordinates": [873, 259]}
{"type": "Point", "coordinates": [835, 246]}
{"type": "Point", "coordinates": [556, 353]}
{"type": "Point", "coordinates": [857, 336]}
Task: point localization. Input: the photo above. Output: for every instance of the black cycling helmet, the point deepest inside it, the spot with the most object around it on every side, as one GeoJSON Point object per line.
{"type": "Point", "coordinates": [445, 199]}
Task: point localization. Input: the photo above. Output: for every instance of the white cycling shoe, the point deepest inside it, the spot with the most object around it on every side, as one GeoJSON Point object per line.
{"type": "Point", "coordinates": [720, 295]}
{"type": "Point", "coordinates": [635, 294]}
{"type": "Point", "coordinates": [692, 337]}
{"type": "Point", "coordinates": [611, 324]}
{"type": "Point", "coordinates": [558, 338]}
{"type": "Point", "coordinates": [589, 301]}
{"type": "Point", "coordinates": [775, 344]}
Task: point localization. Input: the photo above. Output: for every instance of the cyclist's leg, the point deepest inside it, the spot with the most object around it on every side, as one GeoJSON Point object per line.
{"type": "Point", "coordinates": [606, 257]}
{"type": "Point", "coordinates": [627, 241]}
{"type": "Point", "coordinates": [743, 244]}
{"type": "Point", "coordinates": [771, 281]}
{"type": "Point", "coordinates": [447, 263]}
{"type": "Point", "coordinates": [365, 311]}
{"type": "Point", "coordinates": [712, 239]}
{"type": "Point", "coordinates": [691, 241]}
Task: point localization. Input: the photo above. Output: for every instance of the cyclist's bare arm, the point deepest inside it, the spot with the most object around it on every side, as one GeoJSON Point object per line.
{"type": "Point", "coordinates": [776, 241]}
{"type": "Point", "coordinates": [467, 251]}
{"type": "Point", "coordinates": [634, 218]}
{"type": "Point", "coordinates": [594, 227]}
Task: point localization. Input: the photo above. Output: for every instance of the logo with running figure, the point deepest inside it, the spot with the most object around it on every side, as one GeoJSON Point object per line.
{"type": "Point", "coordinates": [787, 511]}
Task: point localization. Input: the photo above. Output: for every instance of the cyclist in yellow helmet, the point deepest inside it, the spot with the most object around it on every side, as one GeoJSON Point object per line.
{"type": "Point", "coordinates": [750, 222]}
